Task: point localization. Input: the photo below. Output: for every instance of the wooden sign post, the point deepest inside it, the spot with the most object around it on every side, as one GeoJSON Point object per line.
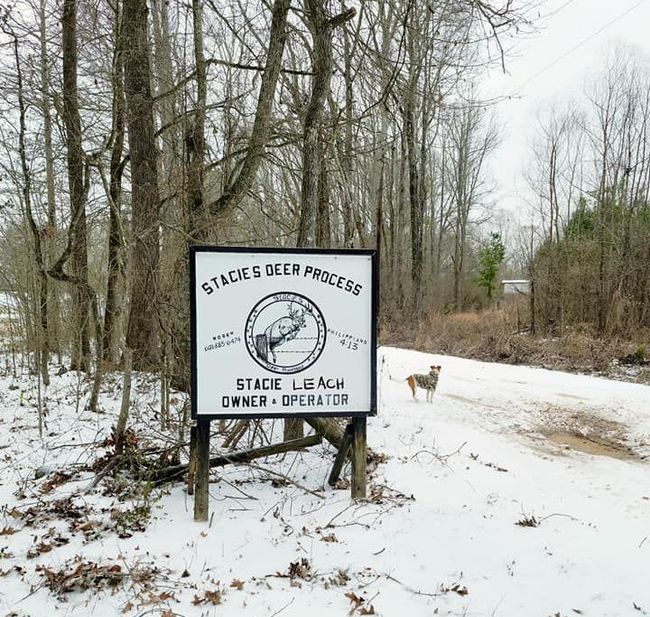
{"type": "Point", "coordinates": [202, 482]}
{"type": "Point", "coordinates": [283, 333]}
{"type": "Point", "coordinates": [359, 457]}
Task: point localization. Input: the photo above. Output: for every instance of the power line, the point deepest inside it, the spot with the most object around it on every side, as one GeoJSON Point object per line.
{"type": "Point", "coordinates": [577, 46]}
{"type": "Point", "coordinates": [558, 9]}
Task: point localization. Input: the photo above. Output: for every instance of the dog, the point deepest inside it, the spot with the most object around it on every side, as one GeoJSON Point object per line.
{"type": "Point", "coordinates": [428, 382]}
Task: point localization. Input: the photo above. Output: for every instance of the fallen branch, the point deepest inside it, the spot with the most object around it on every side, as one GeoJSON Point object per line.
{"type": "Point", "coordinates": [102, 474]}
{"type": "Point", "coordinates": [175, 472]}
{"type": "Point", "coordinates": [341, 456]}
{"type": "Point", "coordinates": [329, 429]}
{"type": "Point", "coordinates": [287, 479]}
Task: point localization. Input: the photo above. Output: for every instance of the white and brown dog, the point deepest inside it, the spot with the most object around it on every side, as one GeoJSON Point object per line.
{"type": "Point", "coordinates": [428, 382]}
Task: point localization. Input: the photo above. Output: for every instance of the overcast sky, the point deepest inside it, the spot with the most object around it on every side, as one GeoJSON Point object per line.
{"type": "Point", "coordinates": [551, 65]}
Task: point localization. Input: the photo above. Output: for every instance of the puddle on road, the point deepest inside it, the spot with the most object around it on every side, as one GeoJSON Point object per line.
{"type": "Point", "coordinates": [586, 430]}
{"type": "Point", "coordinates": [598, 447]}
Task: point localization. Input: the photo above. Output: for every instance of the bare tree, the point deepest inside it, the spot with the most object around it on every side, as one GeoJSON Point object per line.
{"type": "Point", "coordinates": [116, 238]}
{"type": "Point", "coordinates": [473, 136]}
{"type": "Point", "coordinates": [142, 333]}
{"type": "Point", "coordinates": [78, 185]}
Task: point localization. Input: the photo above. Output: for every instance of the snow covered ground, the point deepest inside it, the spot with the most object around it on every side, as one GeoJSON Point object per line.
{"type": "Point", "coordinates": [517, 492]}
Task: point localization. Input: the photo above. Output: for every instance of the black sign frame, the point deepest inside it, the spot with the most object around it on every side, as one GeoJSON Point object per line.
{"type": "Point", "coordinates": [374, 311]}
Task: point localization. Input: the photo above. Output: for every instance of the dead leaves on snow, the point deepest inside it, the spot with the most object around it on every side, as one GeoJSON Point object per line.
{"type": "Point", "coordinates": [340, 578]}
{"type": "Point", "coordinates": [215, 596]}
{"type": "Point", "coordinates": [48, 541]}
{"type": "Point", "coordinates": [83, 575]}
{"type": "Point", "coordinates": [61, 509]}
{"type": "Point", "coordinates": [528, 521]}
{"type": "Point", "coordinates": [299, 569]}
{"type": "Point", "coordinates": [8, 531]}
{"type": "Point", "coordinates": [461, 590]}
{"type": "Point", "coordinates": [124, 522]}
{"type": "Point", "coordinates": [209, 597]}
{"type": "Point", "coordinates": [57, 479]}
{"type": "Point", "coordinates": [302, 570]}
{"type": "Point", "coordinates": [360, 605]}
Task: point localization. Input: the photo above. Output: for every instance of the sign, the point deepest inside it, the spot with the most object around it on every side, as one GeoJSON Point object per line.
{"type": "Point", "coordinates": [283, 332]}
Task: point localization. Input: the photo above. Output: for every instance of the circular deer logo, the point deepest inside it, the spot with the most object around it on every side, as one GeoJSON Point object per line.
{"type": "Point", "coordinates": [285, 333]}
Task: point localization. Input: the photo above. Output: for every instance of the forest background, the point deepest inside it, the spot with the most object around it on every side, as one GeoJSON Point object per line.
{"type": "Point", "coordinates": [131, 130]}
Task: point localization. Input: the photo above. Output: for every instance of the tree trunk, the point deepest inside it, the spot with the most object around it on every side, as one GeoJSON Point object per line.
{"type": "Point", "coordinates": [321, 63]}
{"type": "Point", "coordinates": [348, 221]}
{"type": "Point", "coordinates": [323, 223]}
{"type": "Point", "coordinates": [120, 428]}
{"type": "Point", "coordinates": [142, 331]}
{"type": "Point", "coordinates": [115, 241]}
{"type": "Point", "coordinates": [195, 140]}
{"type": "Point", "coordinates": [52, 313]}
{"type": "Point", "coordinates": [42, 346]}
{"type": "Point", "coordinates": [76, 183]}
{"type": "Point", "coordinates": [239, 186]}
{"type": "Point", "coordinates": [415, 204]}
{"type": "Point", "coordinates": [320, 26]}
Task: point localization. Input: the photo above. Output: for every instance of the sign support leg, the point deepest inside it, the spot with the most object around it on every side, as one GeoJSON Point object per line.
{"type": "Point", "coordinates": [191, 467]}
{"type": "Point", "coordinates": [359, 455]}
{"type": "Point", "coordinates": [341, 455]}
{"type": "Point", "coordinates": [201, 505]}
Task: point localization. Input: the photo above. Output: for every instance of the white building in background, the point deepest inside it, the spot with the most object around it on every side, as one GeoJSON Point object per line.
{"type": "Point", "coordinates": [516, 287]}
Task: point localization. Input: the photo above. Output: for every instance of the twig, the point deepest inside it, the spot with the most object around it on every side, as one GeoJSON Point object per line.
{"type": "Point", "coordinates": [238, 489]}
{"type": "Point", "coordinates": [369, 601]}
{"type": "Point", "coordinates": [440, 457]}
{"type": "Point", "coordinates": [287, 478]}
{"type": "Point", "coordinates": [73, 445]}
{"type": "Point", "coordinates": [496, 608]}
{"type": "Point", "coordinates": [372, 582]}
{"type": "Point", "coordinates": [102, 474]}
{"type": "Point", "coordinates": [415, 591]}
{"type": "Point", "coordinates": [151, 611]}
{"type": "Point", "coordinates": [339, 514]}
{"type": "Point", "coordinates": [541, 520]}
{"type": "Point", "coordinates": [242, 456]}
{"type": "Point", "coordinates": [32, 592]}
{"type": "Point", "coordinates": [289, 603]}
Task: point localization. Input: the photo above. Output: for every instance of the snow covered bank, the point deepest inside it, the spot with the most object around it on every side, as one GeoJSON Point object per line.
{"type": "Point", "coordinates": [475, 512]}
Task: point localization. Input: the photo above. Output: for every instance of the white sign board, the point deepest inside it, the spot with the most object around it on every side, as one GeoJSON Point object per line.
{"type": "Point", "coordinates": [283, 332]}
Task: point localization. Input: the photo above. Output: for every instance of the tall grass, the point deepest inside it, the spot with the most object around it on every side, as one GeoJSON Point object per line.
{"type": "Point", "coordinates": [501, 334]}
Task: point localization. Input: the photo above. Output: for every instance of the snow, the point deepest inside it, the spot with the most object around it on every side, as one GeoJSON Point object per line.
{"type": "Point", "coordinates": [8, 300]}
{"type": "Point", "coordinates": [438, 535]}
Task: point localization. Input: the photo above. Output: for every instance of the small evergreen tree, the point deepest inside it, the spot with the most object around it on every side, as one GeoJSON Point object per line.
{"type": "Point", "coordinates": [490, 258]}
